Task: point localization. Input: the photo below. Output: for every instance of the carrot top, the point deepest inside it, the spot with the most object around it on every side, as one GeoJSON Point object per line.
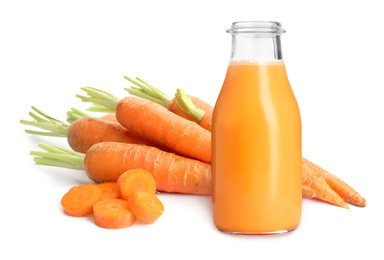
{"type": "Point", "coordinates": [186, 105]}
{"type": "Point", "coordinates": [102, 101]}
{"type": "Point", "coordinates": [59, 157]}
{"type": "Point", "coordinates": [145, 90]}
{"type": "Point", "coordinates": [53, 126]}
{"type": "Point", "coordinates": [106, 102]}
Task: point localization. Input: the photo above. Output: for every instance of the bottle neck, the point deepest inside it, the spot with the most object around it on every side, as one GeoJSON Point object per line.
{"type": "Point", "coordinates": [257, 41]}
{"type": "Point", "coordinates": [256, 48]}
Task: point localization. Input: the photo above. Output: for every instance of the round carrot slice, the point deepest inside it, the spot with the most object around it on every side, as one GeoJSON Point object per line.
{"type": "Point", "coordinates": [113, 214]}
{"type": "Point", "coordinates": [133, 180]}
{"type": "Point", "coordinates": [108, 190]}
{"type": "Point", "coordinates": [146, 206]}
{"type": "Point", "coordinates": [79, 200]}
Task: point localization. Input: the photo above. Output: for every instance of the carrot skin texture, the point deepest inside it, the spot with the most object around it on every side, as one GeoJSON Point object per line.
{"type": "Point", "coordinates": [87, 131]}
{"type": "Point", "coordinates": [343, 189]}
{"type": "Point", "coordinates": [110, 117]}
{"type": "Point", "coordinates": [320, 187]}
{"type": "Point", "coordinates": [153, 122]}
{"type": "Point", "coordinates": [206, 120]}
{"type": "Point", "coordinates": [113, 214]}
{"type": "Point", "coordinates": [106, 161]}
{"type": "Point", "coordinates": [197, 101]}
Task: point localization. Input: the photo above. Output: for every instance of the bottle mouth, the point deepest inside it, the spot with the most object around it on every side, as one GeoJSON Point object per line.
{"type": "Point", "coordinates": [256, 27]}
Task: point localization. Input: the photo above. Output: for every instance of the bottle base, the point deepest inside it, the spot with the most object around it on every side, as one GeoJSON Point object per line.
{"type": "Point", "coordinates": [278, 232]}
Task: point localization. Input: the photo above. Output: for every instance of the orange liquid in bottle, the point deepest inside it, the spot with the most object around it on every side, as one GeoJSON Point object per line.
{"type": "Point", "coordinates": [256, 150]}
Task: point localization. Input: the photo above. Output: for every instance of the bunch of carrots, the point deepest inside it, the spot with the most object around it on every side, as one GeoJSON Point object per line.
{"type": "Point", "coordinates": [168, 137]}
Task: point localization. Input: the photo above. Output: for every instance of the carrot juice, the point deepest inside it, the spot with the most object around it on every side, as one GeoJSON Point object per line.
{"type": "Point", "coordinates": [256, 150]}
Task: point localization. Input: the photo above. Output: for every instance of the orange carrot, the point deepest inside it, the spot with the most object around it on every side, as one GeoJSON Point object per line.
{"type": "Point", "coordinates": [155, 123]}
{"type": "Point", "coordinates": [146, 206]}
{"type": "Point", "coordinates": [150, 92]}
{"type": "Point", "coordinates": [109, 190]}
{"type": "Point", "coordinates": [105, 162]}
{"type": "Point", "coordinates": [320, 187]}
{"type": "Point", "coordinates": [113, 214]}
{"type": "Point", "coordinates": [343, 189]}
{"type": "Point", "coordinates": [84, 131]}
{"type": "Point", "coordinates": [133, 180]}
{"type": "Point", "coordinates": [79, 200]}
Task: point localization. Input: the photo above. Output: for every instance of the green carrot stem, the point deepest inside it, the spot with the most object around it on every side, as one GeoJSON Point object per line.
{"type": "Point", "coordinates": [58, 157]}
{"type": "Point", "coordinates": [74, 114]}
{"type": "Point", "coordinates": [102, 101]}
{"type": "Point", "coordinates": [56, 149]}
{"type": "Point", "coordinates": [143, 94]}
{"type": "Point", "coordinates": [148, 91]}
{"type": "Point", "coordinates": [32, 132]}
{"type": "Point", "coordinates": [186, 105]}
{"type": "Point", "coordinates": [53, 126]}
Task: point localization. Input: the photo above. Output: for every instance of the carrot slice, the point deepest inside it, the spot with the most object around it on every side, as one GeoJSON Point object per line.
{"type": "Point", "coordinates": [79, 200]}
{"type": "Point", "coordinates": [146, 206]}
{"type": "Point", "coordinates": [113, 214]}
{"type": "Point", "coordinates": [133, 180]}
{"type": "Point", "coordinates": [108, 190]}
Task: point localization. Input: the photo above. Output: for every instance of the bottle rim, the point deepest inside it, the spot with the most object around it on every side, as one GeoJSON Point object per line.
{"type": "Point", "coordinates": [256, 27]}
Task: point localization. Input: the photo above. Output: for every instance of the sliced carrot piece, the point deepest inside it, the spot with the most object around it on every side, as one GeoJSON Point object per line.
{"type": "Point", "coordinates": [79, 200]}
{"type": "Point", "coordinates": [146, 206]}
{"type": "Point", "coordinates": [108, 190]}
{"type": "Point", "coordinates": [113, 214]}
{"type": "Point", "coordinates": [133, 180]}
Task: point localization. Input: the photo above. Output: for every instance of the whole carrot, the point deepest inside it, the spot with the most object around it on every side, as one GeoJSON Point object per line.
{"type": "Point", "coordinates": [343, 189]}
{"type": "Point", "coordinates": [105, 162]}
{"type": "Point", "coordinates": [154, 122]}
{"type": "Point", "coordinates": [84, 131]}
{"type": "Point", "coordinates": [150, 92]}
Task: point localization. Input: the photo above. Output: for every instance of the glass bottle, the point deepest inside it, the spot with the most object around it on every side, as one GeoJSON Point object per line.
{"type": "Point", "coordinates": [256, 137]}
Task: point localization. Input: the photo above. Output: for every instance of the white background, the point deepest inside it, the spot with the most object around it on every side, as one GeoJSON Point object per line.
{"type": "Point", "coordinates": [333, 52]}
